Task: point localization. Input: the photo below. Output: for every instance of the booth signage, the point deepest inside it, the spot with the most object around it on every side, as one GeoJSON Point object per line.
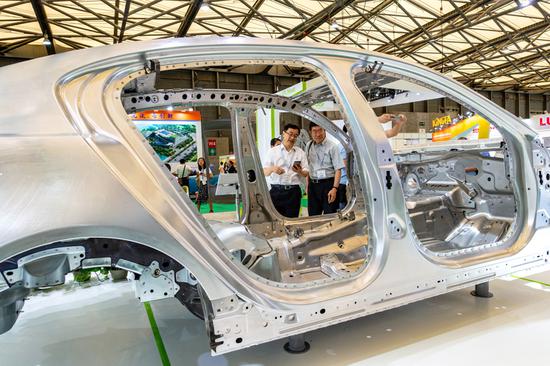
{"type": "Point", "coordinates": [211, 147]}
{"type": "Point", "coordinates": [442, 121]}
{"type": "Point", "coordinates": [539, 122]}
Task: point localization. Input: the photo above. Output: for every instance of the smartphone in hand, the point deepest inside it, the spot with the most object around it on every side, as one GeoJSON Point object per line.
{"type": "Point", "coordinates": [397, 117]}
{"type": "Point", "coordinates": [297, 164]}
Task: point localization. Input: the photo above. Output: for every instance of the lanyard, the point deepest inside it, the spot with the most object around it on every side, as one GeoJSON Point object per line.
{"type": "Point", "coordinates": [319, 160]}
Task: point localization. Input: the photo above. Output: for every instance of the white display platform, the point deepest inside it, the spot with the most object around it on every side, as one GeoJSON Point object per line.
{"type": "Point", "coordinates": [104, 324]}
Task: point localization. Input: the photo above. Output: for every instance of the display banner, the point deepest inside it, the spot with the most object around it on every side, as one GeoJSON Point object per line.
{"type": "Point", "coordinates": [463, 128]}
{"type": "Point", "coordinates": [174, 135]}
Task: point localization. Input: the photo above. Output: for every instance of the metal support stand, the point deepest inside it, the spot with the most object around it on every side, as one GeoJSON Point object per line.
{"type": "Point", "coordinates": [482, 290]}
{"type": "Point", "coordinates": [296, 344]}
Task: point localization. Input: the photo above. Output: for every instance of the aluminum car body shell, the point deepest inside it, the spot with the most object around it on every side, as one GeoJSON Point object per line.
{"type": "Point", "coordinates": [73, 166]}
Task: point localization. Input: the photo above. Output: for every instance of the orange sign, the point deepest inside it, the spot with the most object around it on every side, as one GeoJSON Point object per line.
{"type": "Point", "coordinates": [164, 115]}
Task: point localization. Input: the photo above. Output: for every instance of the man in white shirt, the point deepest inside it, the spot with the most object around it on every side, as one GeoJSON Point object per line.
{"type": "Point", "coordinates": [284, 165]}
{"type": "Point", "coordinates": [325, 171]}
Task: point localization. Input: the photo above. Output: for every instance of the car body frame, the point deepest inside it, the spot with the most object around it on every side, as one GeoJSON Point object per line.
{"type": "Point", "coordinates": [80, 187]}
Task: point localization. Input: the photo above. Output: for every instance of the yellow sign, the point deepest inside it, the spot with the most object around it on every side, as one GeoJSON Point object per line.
{"type": "Point", "coordinates": [445, 120]}
{"type": "Point", "coordinates": [462, 128]}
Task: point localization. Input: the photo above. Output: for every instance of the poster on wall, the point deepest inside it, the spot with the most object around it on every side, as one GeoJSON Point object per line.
{"type": "Point", "coordinates": [173, 135]}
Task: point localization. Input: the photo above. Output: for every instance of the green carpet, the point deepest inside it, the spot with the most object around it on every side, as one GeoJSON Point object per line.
{"type": "Point", "coordinates": [230, 207]}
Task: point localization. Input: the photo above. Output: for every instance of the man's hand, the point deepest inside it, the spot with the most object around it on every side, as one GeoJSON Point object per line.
{"type": "Point", "coordinates": [400, 120]}
{"type": "Point", "coordinates": [297, 169]}
{"type": "Point", "coordinates": [386, 117]}
{"type": "Point", "coordinates": [268, 170]}
{"type": "Point", "coordinates": [332, 195]}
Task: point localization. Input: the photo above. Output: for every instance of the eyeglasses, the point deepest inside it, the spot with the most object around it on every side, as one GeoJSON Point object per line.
{"type": "Point", "coordinates": [295, 135]}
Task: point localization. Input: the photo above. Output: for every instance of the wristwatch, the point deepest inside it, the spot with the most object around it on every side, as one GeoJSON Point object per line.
{"type": "Point", "coordinates": [335, 188]}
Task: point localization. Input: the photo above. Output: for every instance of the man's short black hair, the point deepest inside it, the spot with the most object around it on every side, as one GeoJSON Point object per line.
{"type": "Point", "coordinates": [291, 125]}
{"type": "Point", "coordinates": [182, 161]}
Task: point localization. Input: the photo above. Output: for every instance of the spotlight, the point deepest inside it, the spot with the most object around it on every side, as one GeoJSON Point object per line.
{"type": "Point", "coordinates": [205, 6]}
{"type": "Point", "coordinates": [46, 41]}
{"type": "Point", "coordinates": [334, 25]}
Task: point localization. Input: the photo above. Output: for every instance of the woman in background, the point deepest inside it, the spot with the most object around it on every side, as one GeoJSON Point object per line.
{"type": "Point", "coordinates": [203, 175]}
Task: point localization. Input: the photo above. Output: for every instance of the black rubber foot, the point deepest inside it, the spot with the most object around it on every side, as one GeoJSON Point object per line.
{"type": "Point", "coordinates": [486, 296]}
{"type": "Point", "coordinates": [482, 290]}
{"type": "Point", "coordinates": [296, 351]}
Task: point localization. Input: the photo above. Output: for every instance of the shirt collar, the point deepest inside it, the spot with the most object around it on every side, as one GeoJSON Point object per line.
{"type": "Point", "coordinates": [284, 148]}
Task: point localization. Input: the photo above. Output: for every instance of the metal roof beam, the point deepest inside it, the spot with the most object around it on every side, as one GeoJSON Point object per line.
{"type": "Point", "coordinates": [124, 20]}
{"type": "Point", "coordinates": [230, 20]}
{"type": "Point", "coordinates": [362, 20]}
{"type": "Point", "coordinates": [253, 10]}
{"type": "Point", "coordinates": [260, 15]}
{"type": "Point", "coordinates": [303, 29]}
{"type": "Point", "coordinates": [189, 17]}
{"type": "Point", "coordinates": [505, 67]}
{"type": "Point", "coordinates": [143, 22]}
{"type": "Point", "coordinates": [58, 8]}
{"type": "Point", "coordinates": [42, 19]}
{"type": "Point", "coordinates": [115, 28]}
{"type": "Point", "coordinates": [12, 46]}
{"type": "Point", "coordinates": [501, 41]}
{"type": "Point", "coordinates": [443, 19]}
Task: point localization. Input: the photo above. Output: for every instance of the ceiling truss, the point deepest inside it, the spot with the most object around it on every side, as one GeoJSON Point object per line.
{"type": "Point", "coordinates": [491, 44]}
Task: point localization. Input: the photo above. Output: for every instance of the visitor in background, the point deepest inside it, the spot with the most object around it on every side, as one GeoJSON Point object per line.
{"type": "Point", "coordinates": [183, 172]}
{"type": "Point", "coordinates": [325, 166]}
{"type": "Point", "coordinates": [203, 175]}
{"type": "Point", "coordinates": [232, 168]}
{"type": "Point", "coordinates": [398, 121]}
{"type": "Point", "coordinates": [275, 142]}
{"type": "Point", "coordinates": [284, 165]}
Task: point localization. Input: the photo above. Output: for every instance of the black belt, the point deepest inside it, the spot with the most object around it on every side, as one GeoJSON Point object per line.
{"type": "Point", "coordinates": [321, 180]}
{"type": "Point", "coordinates": [285, 187]}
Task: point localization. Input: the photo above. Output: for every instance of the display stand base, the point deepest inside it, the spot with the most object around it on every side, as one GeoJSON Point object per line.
{"type": "Point", "coordinates": [296, 344]}
{"type": "Point", "coordinates": [482, 290]}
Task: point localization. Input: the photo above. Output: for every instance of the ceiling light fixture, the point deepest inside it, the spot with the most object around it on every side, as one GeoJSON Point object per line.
{"type": "Point", "coordinates": [205, 6]}
{"type": "Point", "coordinates": [334, 25]}
{"type": "Point", "coordinates": [46, 41]}
{"type": "Point", "coordinates": [524, 3]}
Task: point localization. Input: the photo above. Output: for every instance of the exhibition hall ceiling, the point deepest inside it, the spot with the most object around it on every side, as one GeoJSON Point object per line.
{"type": "Point", "coordinates": [489, 44]}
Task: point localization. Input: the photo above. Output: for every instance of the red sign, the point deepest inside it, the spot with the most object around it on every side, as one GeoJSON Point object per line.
{"type": "Point", "coordinates": [211, 147]}
{"type": "Point", "coordinates": [167, 115]}
{"type": "Point", "coordinates": [544, 121]}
